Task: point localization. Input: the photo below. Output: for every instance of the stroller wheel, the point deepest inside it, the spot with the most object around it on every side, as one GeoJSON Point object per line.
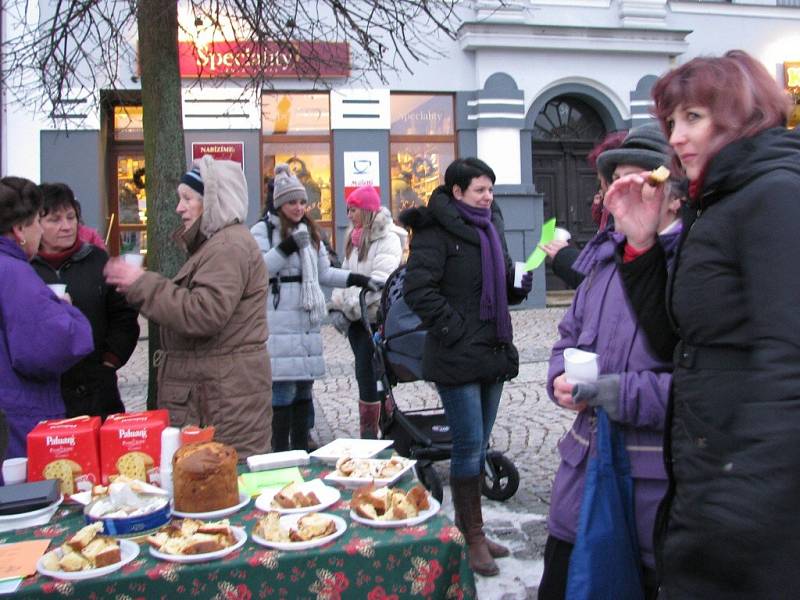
{"type": "Point", "coordinates": [428, 477]}
{"type": "Point", "coordinates": [501, 478]}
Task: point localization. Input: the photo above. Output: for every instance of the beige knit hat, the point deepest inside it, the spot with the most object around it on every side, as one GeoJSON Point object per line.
{"type": "Point", "coordinates": [287, 186]}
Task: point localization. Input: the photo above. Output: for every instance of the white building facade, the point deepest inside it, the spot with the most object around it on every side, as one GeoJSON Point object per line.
{"type": "Point", "coordinates": [529, 86]}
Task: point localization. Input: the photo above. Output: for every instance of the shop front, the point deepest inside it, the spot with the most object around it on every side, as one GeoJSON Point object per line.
{"type": "Point", "coordinates": [405, 160]}
{"type": "Point", "coordinates": [400, 143]}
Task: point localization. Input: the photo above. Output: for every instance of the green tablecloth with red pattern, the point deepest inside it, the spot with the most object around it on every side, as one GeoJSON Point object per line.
{"type": "Point", "coordinates": [424, 561]}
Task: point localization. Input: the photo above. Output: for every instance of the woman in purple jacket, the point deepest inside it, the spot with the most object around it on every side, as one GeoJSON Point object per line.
{"type": "Point", "coordinates": [633, 386]}
{"type": "Point", "coordinates": [41, 336]}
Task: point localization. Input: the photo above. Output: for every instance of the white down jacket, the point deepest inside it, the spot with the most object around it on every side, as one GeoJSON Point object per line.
{"type": "Point", "coordinates": [384, 256]}
{"type": "Point", "coordinates": [295, 344]}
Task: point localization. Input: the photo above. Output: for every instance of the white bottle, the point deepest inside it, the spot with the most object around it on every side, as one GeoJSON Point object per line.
{"type": "Point", "coordinates": [165, 475]}
{"type": "Point", "coordinates": [170, 442]}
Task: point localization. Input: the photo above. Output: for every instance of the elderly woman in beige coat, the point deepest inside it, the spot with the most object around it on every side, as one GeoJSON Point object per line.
{"type": "Point", "coordinates": [213, 367]}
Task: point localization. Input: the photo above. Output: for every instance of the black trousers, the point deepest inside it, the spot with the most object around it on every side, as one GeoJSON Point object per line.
{"type": "Point", "coordinates": [556, 565]}
{"type": "Point", "coordinates": [363, 351]}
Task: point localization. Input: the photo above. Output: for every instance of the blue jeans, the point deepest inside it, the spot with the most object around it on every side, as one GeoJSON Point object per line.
{"type": "Point", "coordinates": [285, 393]}
{"type": "Point", "coordinates": [471, 410]}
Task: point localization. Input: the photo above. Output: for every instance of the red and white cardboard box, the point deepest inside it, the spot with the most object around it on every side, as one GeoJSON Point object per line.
{"type": "Point", "coordinates": [131, 444]}
{"type": "Point", "coordinates": [66, 449]}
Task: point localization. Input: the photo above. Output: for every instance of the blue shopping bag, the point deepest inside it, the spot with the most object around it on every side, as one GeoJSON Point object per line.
{"type": "Point", "coordinates": [605, 562]}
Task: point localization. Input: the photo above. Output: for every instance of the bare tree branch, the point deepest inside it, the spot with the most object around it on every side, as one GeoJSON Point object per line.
{"type": "Point", "coordinates": [78, 47]}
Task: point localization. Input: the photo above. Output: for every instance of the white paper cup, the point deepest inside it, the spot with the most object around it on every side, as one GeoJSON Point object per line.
{"type": "Point", "coordinates": [580, 366]}
{"type": "Point", "coordinates": [137, 260]}
{"type": "Point", "coordinates": [59, 289]}
{"type": "Point", "coordinates": [15, 470]}
{"type": "Point", "coordinates": [561, 235]}
{"type": "Point", "coordinates": [519, 271]}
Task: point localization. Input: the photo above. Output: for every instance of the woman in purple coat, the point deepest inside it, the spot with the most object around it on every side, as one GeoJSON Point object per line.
{"type": "Point", "coordinates": [633, 386]}
{"type": "Point", "coordinates": [41, 336]}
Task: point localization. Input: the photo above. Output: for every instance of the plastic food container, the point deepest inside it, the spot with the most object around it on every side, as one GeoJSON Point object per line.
{"type": "Point", "coordinates": [278, 460]}
{"type": "Point", "coordinates": [121, 526]}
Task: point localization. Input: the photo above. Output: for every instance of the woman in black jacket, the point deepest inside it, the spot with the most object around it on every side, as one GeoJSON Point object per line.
{"type": "Point", "coordinates": [459, 280]}
{"type": "Point", "coordinates": [729, 526]}
{"type": "Point", "coordinates": [90, 387]}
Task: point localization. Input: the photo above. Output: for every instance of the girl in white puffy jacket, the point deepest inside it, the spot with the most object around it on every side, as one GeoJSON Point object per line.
{"type": "Point", "coordinates": [297, 262]}
{"type": "Point", "coordinates": [374, 249]}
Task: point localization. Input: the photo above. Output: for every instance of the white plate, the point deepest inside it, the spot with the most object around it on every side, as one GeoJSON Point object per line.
{"type": "Point", "coordinates": [356, 448]}
{"type": "Point", "coordinates": [238, 532]}
{"type": "Point", "coordinates": [420, 518]}
{"type": "Point", "coordinates": [327, 495]}
{"type": "Point", "coordinates": [40, 516]}
{"type": "Point", "coordinates": [357, 482]}
{"type": "Point", "coordinates": [128, 549]}
{"type": "Point", "coordinates": [244, 499]}
{"type": "Point", "coordinates": [289, 521]}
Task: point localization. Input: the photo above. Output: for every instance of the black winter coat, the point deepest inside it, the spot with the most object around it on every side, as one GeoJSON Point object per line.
{"type": "Point", "coordinates": [730, 525]}
{"type": "Point", "coordinates": [90, 388]}
{"type": "Point", "coordinates": [443, 286]}
{"type": "Point", "coordinates": [562, 266]}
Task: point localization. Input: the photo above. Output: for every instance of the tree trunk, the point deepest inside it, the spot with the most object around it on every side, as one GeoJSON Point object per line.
{"type": "Point", "coordinates": [164, 154]}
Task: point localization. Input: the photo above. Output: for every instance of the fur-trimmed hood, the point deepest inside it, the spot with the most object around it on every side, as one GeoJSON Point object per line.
{"type": "Point", "coordinates": [225, 194]}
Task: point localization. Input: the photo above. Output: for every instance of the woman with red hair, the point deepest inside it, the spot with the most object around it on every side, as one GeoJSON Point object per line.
{"type": "Point", "coordinates": [729, 526]}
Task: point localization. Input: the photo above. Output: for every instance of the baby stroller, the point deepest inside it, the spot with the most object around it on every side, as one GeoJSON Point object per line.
{"type": "Point", "coordinates": [424, 434]}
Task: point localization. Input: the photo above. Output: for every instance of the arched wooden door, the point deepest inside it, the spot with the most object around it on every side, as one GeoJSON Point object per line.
{"type": "Point", "coordinates": [564, 133]}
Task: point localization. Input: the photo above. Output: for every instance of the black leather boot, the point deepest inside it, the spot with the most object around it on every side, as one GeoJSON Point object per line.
{"type": "Point", "coordinates": [299, 426]}
{"type": "Point", "coordinates": [281, 425]}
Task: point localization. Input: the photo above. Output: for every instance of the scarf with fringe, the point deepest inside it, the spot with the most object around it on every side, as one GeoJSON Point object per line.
{"type": "Point", "coordinates": [311, 296]}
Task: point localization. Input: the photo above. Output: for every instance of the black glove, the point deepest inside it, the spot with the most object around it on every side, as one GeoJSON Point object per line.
{"type": "Point", "coordinates": [526, 285]}
{"type": "Point", "coordinates": [603, 393]}
{"type": "Point", "coordinates": [340, 322]}
{"type": "Point", "coordinates": [373, 285]}
{"type": "Point", "coordinates": [293, 243]}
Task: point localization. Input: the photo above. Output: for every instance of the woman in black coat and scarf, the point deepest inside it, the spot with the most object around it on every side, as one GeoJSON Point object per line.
{"type": "Point", "coordinates": [729, 526]}
{"type": "Point", "coordinates": [90, 387]}
{"type": "Point", "coordinates": [459, 280]}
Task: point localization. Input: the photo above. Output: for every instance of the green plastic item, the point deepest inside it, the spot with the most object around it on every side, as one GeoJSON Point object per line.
{"type": "Point", "coordinates": [256, 482]}
{"type": "Point", "coordinates": [537, 257]}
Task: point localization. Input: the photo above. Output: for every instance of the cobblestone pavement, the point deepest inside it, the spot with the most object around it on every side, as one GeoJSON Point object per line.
{"type": "Point", "coordinates": [527, 429]}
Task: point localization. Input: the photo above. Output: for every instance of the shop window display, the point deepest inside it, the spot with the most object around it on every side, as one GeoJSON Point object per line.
{"type": "Point", "coordinates": [128, 124]}
{"type": "Point", "coordinates": [132, 204]}
{"type": "Point", "coordinates": [422, 144]}
{"type": "Point", "coordinates": [127, 205]}
{"type": "Point", "coordinates": [295, 114]}
{"type": "Point", "coordinates": [311, 163]}
{"type": "Point", "coordinates": [296, 131]}
{"type": "Point", "coordinates": [792, 81]}
{"type": "Point", "coordinates": [417, 170]}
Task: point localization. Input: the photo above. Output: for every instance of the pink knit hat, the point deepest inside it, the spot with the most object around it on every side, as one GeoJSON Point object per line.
{"type": "Point", "coordinates": [365, 198]}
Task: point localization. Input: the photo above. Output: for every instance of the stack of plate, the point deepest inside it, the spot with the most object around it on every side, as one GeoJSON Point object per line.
{"type": "Point", "coordinates": [33, 518]}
